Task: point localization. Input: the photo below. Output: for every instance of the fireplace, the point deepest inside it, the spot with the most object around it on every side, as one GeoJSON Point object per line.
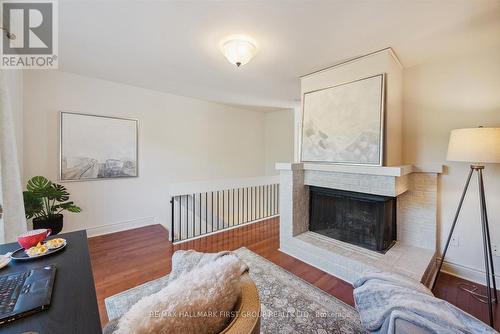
{"type": "Point", "coordinates": [360, 219]}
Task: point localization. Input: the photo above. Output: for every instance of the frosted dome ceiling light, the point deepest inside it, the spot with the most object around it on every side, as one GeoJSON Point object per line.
{"type": "Point", "coordinates": [238, 51]}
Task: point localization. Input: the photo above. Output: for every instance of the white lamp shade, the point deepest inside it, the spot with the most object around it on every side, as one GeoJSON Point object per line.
{"type": "Point", "coordinates": [476, 145]}
{"type": "Point", "coordinates": [238, 51]}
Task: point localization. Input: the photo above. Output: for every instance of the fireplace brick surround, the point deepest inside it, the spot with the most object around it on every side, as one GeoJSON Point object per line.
{"type": "Point", "coordinates": [415, 188]}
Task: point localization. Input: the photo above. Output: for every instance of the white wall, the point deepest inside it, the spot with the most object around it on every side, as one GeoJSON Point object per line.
{"type": "Point", "coordinates": [181, 139]}
{"type": "Point", "coordinates": [457, 92]}
{"type": "Point", "coordinates": [279, 132]}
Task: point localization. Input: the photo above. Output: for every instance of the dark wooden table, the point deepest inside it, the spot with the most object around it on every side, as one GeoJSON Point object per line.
{"type": "Point", "coordinates": [74, 304]}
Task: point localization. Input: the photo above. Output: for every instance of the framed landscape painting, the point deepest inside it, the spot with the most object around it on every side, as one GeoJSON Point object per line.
{"type": "Point", "coordinates": [96, 147]}
{"type": "Point", "coordinates": [345, 123]}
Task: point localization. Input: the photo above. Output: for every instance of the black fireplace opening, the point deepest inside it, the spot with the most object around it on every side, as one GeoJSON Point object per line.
{"type": "Point", "coordinates": [360, 219]}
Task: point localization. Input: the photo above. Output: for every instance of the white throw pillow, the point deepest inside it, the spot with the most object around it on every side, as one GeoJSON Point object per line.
{"type": "Point", "coordinates": [198, 302]}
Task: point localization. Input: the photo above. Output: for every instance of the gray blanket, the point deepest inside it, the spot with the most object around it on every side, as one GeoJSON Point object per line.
{"type": "Point", "coordinates": [386, 302]}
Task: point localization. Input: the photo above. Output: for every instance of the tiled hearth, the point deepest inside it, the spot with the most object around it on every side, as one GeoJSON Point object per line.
{"type": "Point", "coordinates": [416, 191]}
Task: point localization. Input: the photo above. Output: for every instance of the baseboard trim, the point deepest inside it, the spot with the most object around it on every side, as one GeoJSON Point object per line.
{"type": "Point", "coordinates": [121, 226]}
{"type": "Point", "coordinates": [468, 273]}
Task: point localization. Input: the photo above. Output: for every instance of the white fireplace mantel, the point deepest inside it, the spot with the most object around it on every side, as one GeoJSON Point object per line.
{"type": "Point", "coordinates": [362, 169]}
{"type": "Point", "coordinates": [378, 180]}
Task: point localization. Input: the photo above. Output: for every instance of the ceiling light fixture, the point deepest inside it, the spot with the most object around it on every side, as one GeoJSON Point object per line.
{"type": "Point", "coordinates": [238, 51]}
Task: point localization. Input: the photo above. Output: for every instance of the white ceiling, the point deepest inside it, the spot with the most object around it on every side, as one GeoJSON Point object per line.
{"type": "Point", "coordinates": [173, 46]}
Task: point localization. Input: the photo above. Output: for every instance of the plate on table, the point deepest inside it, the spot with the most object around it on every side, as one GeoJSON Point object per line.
{"type": "Point", "coordinates": [20, 254]}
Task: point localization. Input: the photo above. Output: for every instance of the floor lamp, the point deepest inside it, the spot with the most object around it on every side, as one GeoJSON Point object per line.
{"type": "Point", "coordinates": [477, 146]}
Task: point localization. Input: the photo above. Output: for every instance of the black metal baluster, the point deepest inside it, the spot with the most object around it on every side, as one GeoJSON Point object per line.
{"type": "Point", "coordinates": [278, 199]}
{"type": "Point", "coordinates": [256, 202]}
{"type": "Point", "coordinates": [180, 216]}
{"type": "Point", "coordinates": [266, 201]}
{"type": "Point", "coordinates": [268, 212]}
{"type": "Point", "coordinates": [172, 220]}
{"type": "Point", "coordinates": [206, 212]}
{"type": "Point", "coordinates": [194, 211]}
{"type": "Point", "coordinates": [257, 197]}
{"type": "Point", "coordinates": [199, 220]}
{"type": "Point", "coordinates": [261, 201]}
{"type": "Point", "coordinates": [187, 217]}
{"type": "Point", "coordinates": [250, 204]}
{"type": "Point", "coordinates": [233, 206]}
{"type": "Point", "coordinates": [252, 213]}
{"type": "Point", "coordinates": [253, 204]}
{"type": "Point", "coordinates": [218, 218]}
{"type": "Point", "coordinates": [274, 207]}
{"type": "Point", "coordinates": [272, 199]}
{"type": "Point", "coordinates": [212, 213]}
{"type": "Point", "coordinates": [261, 207]}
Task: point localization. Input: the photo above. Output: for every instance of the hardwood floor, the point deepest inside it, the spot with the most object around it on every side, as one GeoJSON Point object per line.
{"type": "Point", "coordinates": [447, 289]}
{"type": "Point", "coordinates": [126, 259]}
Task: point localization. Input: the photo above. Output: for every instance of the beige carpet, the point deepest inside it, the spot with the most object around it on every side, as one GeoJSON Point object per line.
{"type": "Point", "coordinates": [289, 304]}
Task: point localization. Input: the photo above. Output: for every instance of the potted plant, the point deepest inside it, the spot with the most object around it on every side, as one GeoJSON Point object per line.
{"type": "Point", "coordinates": [44, 201]}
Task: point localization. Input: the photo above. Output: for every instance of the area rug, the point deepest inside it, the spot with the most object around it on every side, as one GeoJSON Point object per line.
{"type": "Point", "coordinates": [288, 303]}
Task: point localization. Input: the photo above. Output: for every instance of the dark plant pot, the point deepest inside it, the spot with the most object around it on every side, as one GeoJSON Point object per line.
{"type": "Point", "coordinates": [55, 223]}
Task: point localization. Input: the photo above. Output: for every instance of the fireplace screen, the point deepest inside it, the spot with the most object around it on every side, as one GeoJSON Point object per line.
{"type": "Point", "coordinates": [360, 219]}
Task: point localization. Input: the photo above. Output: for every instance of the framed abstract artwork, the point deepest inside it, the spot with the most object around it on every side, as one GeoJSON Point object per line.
{"type": "Point", "coordinates": [96, 147]}
{"type": "Point", "coordinates": [345, 124]}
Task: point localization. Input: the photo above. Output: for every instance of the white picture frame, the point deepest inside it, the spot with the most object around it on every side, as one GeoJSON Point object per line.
{"type": "Point", "coordinates": [96, 147]}
{"type": "Point", "coordinates": [344, 124]}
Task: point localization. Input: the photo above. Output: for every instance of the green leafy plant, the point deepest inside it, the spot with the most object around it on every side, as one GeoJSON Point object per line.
{"type": "Point", "coordinates": [45, 199]}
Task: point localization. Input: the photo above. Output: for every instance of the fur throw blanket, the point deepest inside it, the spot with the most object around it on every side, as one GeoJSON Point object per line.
{"type": "Point", "coordinates": [199, 299]}
{"type": "Point", "coordinates": [185, 261]}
